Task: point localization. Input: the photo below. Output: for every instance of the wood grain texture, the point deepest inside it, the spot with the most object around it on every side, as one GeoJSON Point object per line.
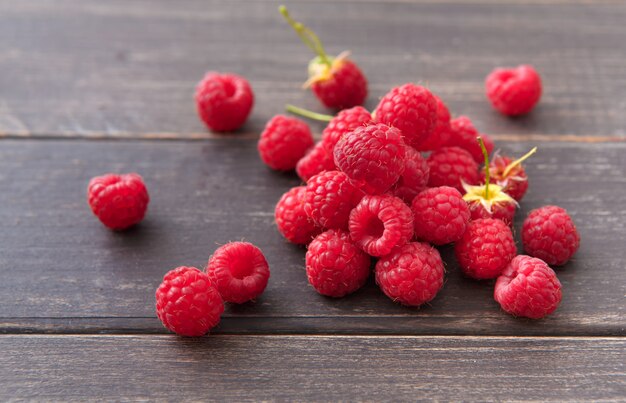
{"type": "Point", "coordinates": [128, 69]}
{"type": "Point", "coordinates": [308, 368]}
{"type": "Point", "coordinates": [63, 272]}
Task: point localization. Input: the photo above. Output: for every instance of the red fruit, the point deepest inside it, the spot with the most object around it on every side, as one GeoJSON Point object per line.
{"type": "Point", "coordinates": [224, 101]}
{"type": "Point", "coordinates": [514, 91]}
{"type": "Point", "coordinates": [485, 249]}
{"type": "Point", "coordinates": [414, 179]}
{"type": "Point", "coordinates": [315, 161]}
{"type": "Point", "coordinates": [239, 271]}
{"type": "Point", "coordinates": [291, 220]}
{"type": "Point", "coordinates": [119, 201]}
{"type": "Point", "coordinates": [463, 134]}
{"type": "Point", "coordinates": [412, 109]}
{"type": "Point", "coordinates": [284, 141]}
{"type": "Point", "coordinates": [335, 266]}
{"type": "Point", "coordinates": [330, 197]}
{"type": "Point", "coordinates": [380, 223]}
{"type": "Point", "coordinates": [549, 234]}
{"type": "Point", "coordinates": [441, 133]}
{"type": "Point", "coordinates": [528, 287]}
{"type": "Point", "coordinates": [411, 274]}
{"type": "Point", "coordinates": [342, 124]}
{"type": "Point", "coordinates": [451, 166]}
{"type": "Point", "coordinates": [510, 175]}
{"type": "Point", "coordinates": [372, 156]}
{"type": "Point", "coordinates": [187, 303]}
{"type": "Point", "coordinates": [440, 215]}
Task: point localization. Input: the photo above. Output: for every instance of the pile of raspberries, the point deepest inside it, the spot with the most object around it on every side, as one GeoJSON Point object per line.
{"type": "Point", "coordinates": [381, 191]}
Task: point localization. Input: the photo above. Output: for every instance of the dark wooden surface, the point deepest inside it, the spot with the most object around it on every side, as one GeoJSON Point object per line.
{"type": "Point", "coordinates": [90, 87]}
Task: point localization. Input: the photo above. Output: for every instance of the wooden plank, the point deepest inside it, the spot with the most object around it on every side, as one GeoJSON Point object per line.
{"type": "Point", "coordinates": [309, 368]}
{"type": "Point", "coordinates": [63, 272]}
{"type": "Point", "coordinates": [128, 69]}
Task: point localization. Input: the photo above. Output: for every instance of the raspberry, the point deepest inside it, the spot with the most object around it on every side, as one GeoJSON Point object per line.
{"type": "Point", "coordinates": [345, 122]}
{"type": "Point", "coordinates": [412, 109]}
{"type": "Point", "coordinates": [440, 215]}
{"type": "Point", "coordinates": [485, 249]}
{"type": "Point", "coordinates": [549, 234]}
{"type": "Point", "coordinates": [329, 198]}
{"type": "Point", "coordinates": [239, 271]}
{"type": "Point", "coordinates": [372, 156]}
{"type": "Point", "coordinates": [291, 220]}
{"type": "Point", "coordinates": [510, 175]}
{"type": "Point", "coordinates": [284, 141]}
{"type": "Point", "coordinates": [119, 201]}
{"type": "Point", "coordinates": [441, 133]}
{"type": "Point", "coordinates": [411, 274]}
{"type": "Point", "coordinates": [335, 266]}
{"type": "Point", "coordinates": [315, 161]}
{"type": "Point", "coordinates": [380, 223]}
{"type": "Point", "coordinates": [224, 101]}
{"type": "Point", "coordinates": [504, 210]}
{"type": "Point", "coordinates": [463, 134]}
{"type": "Point", "coordinates": [514, 91]}
{"type": "Point", "coordinates": [528, 287]}
{"type": "Point", "coordinates": [187, 303]}
{"type": "Point", "coordinates": [414, 179]}
{"type": "Point", "coordinates": [451, 166]}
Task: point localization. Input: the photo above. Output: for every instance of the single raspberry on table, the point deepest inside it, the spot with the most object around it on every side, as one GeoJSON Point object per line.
{"type": "Point", "coordinates": [411, 274]}
{"type": "Point", "coordinates": [440, 215]}
{"type": "Point", "coordinates": [452, 166]}
{"type": "Point", "coordinates": [549, 234]}
{"type": "Point", "coordinates": [239, 271]}
{"type": "Point", "coordinates": [380, 223]}
{"type": "Point", "coordinates": [224, 101]}
{"type": "Point", "coordinates": [119, 201]}
{"type": "Point", "coordinates": [315, 161]}
{"type": "Point", "coordinates": [441, 133]}
{"type": "Point", "coordinates": [372, 156]}
{"type": "Point", "coordinates": [346, 121]}
{"type": "Point", "coordinates": [291, 220]}
{"type": "Point", "coordinates": [284, 141]}
{"type": "Point", "coordinates": [485, 249]}
{"type": "Point", "coordinates": [335, 266]}
{"type": "Point", "coordinates": [514, 91]}
{"type": "Point", "coordinates": [510, 175]}
{"type": "Point", "coordinates": [528, 287]}
{"type": "Point", "coordinates": [187, 303]}
{"type": "Point", "coordinates": [463, 134]}
{"type": "Point", "coordinates": [412, 109]}
{"type": "Point", "coordinates": [330, 197]}
{"type": "Point", "coordinates": [414, 179]}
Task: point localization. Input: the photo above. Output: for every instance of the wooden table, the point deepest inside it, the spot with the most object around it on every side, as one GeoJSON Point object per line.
{"type": "Point", "coordinates": [88, 87]}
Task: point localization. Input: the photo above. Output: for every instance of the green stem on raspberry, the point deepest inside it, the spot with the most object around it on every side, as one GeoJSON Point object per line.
{"type": "Point", "coordinates": [518, 161]}
{"type": "Point", "coordinates": [307, 36]}
{"type": "Point", "coordinates": [307, 113]}
{"type": "Point", "coordinates": [486, 155]}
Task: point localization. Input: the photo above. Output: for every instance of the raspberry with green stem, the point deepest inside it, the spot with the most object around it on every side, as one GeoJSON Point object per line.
{"type": "Point", "coordinates": [510, 174]}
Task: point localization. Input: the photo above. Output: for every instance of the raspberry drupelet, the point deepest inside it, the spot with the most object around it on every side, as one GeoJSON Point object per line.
{"type": "Point", "coordinates": [284, 141]}
{"type": "Point", "coordinates": [335, 266]}
{"type": "Point", "coordinates": [315, 161]}
{"type": "Point", "coordinates": [440, 215]}
{"type": "Point", "coordinates": [119, 201]}
{"type": "Point", "coordinates": [441, 133]}
{"type": "Point", "coordinates": [291, 219]}
{"type": "Point", "coordinates": [514, 91]}
{"type": "Point", "coordinates": [239, 271]}
{"type": "Point", "coordinates": [224, 101]}
{"type": "Point", "coordinates": [549, 233]}
{"type": "Point", "coordinates": [187, 303]}
{"type": "Point", "coordinates": [452, 166]}
{"type": "Point", "coordinates": [463, 134]}
{"type": "Point", "coordinates": [414, 179]}
{"type": "Point", "coordinates": [510, 175]}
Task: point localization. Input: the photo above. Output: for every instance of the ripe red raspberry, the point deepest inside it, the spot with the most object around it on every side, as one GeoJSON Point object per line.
{"type": "Point", "coordinates": [514, 91]}
{"type": "Point", "coordinates": [411, 274]}
{"type": "Point", "coordinates": [509, 174]}
{"type": "Point", "coordinates": [119, 201]}
{"type": "Point", "coordinates": [440, 215]}
{"type": "Point", "coordinates": [372, 156]}
{"type": "Point", "coordinates": [380, 223]}
{"type": "Point", "coordinates": [463, 134]}
{"type": "Point", "coordinates": [345, 122]}
{"type": "Point", "coordinates": [412, 109]}
{"type": "Point", "coordinates": [239, 271]}
{"type": "Point", "coordinates": [451, 166]}
{"type": "Point", "coordinates": [187, 303]}
{"type": "Point", "coordinates": [330, 197]}
{"type": "Point", "coordinates": [528, 287]}
{"type": "Point", "coordinates": [485, 249]}
{"type": "Point", "coordinates": [315, 161]}
{"type": "Point", "coordinates": [441, 133]}
{"type": "Point", "coordinates": [414, 179]}
{"type": "Point", "coordinates": [284, 141]}
{"type": "Point", "coordinates": [291, 220]}
{"type": "Point", "coordinates": [224, 101]}
{"type": "Point", "coordinates": [503, 210]}
{"type": "Point", "coordinates": [549, 234]}
{"type": "Point", "coordinates": [335, 266]}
